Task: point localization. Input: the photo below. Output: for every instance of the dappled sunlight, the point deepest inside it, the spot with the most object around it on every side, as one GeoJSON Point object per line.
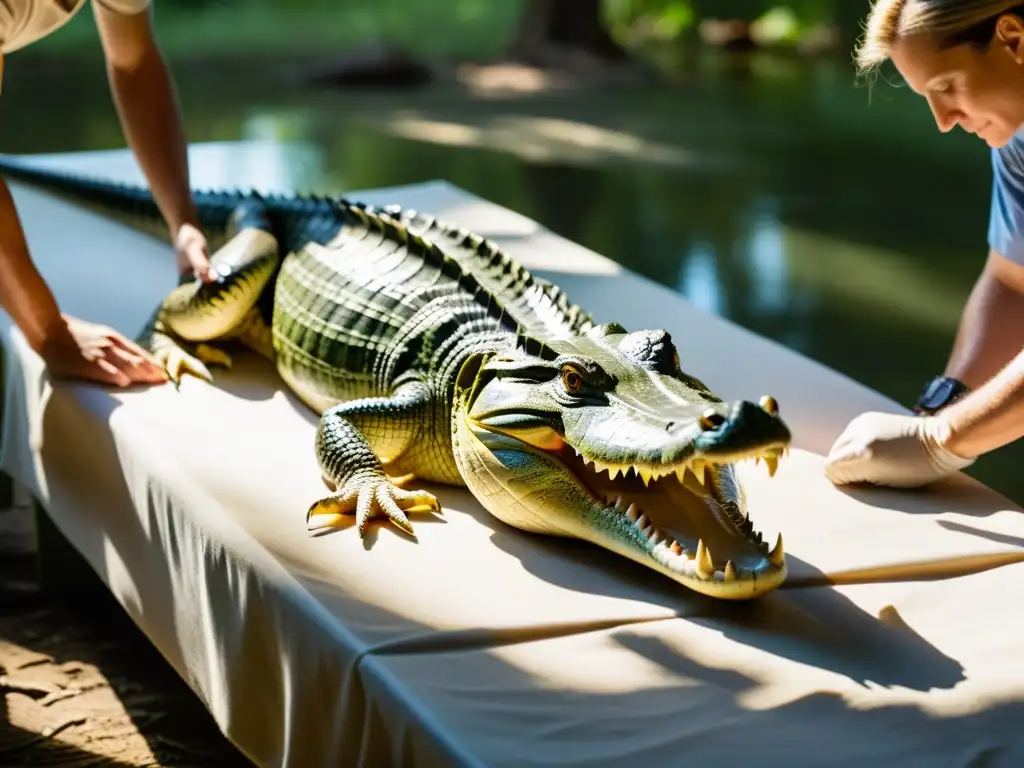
{"type": "Point", "coordinates": [80, 684]}
{"type": "Point", "coordinates": [508, 78]}
{"type": "Point", "coordinates": [867, 648]}
{"type": "Point", "coordinates": [541, 139]}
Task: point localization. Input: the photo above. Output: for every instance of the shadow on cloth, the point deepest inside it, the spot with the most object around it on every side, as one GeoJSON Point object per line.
{"type": "Point", "coordinates": [814, 626]}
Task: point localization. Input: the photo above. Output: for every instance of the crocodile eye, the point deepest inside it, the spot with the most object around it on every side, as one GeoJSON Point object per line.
{"type": "Point", "coordinates": [571, 379]}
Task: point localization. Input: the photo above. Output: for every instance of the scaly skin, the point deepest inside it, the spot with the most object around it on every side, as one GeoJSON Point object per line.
{"type": "Point", "coordinates": [431, 354]}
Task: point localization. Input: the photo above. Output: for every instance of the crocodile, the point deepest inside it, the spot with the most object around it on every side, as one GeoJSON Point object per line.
{"type": "Point", "coordinates": [430, 354]}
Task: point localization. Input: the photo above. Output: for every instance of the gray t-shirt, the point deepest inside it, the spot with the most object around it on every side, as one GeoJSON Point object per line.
{"type": "Point", "coordinates": [23, 22]}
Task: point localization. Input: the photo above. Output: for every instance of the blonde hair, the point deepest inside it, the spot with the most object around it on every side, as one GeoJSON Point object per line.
{"type": "Point", "coordinates": [949, 22]}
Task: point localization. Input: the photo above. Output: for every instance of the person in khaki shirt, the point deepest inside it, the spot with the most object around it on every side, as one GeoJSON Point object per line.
{"type": "Point", "coordinates": [146, 103]}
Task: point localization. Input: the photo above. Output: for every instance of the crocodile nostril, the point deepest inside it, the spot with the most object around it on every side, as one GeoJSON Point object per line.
{"type": "Point", "coordinates": [668, 427]}
{"type": "Point", "coordinates": [768, 403]}
{"type": "Point", "coordinates": [711, 419]}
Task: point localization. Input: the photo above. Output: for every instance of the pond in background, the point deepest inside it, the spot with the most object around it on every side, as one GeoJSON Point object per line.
{"type": "Point", "coordinates": [775, 193]}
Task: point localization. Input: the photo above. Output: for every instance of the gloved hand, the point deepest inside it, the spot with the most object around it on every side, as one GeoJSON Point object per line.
{"type": "Point", "coordinates": [894, 450]}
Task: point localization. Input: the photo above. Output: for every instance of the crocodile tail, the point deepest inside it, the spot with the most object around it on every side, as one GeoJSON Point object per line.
{"type": "Point", "coordinates": [130, 204]}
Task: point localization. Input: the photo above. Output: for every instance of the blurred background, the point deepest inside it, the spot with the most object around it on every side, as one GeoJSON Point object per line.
{"type": "Point", "coordinates": [724, 148]}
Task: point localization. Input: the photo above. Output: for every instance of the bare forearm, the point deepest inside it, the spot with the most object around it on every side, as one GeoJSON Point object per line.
{"type": "Point", "coordinates": [148, 107]}
{"type": "Point", "coordinates": [23, 292]}
{"type": "Point", "coordinates": [990, 417]}
{"type": "Point", "coordinates": [991, 332]}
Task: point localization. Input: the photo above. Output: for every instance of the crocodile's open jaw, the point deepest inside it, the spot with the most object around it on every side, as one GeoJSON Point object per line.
{"type": "Point", "coordinates": [695, 518]}
{"type": "Point", "coordinates": [696, 534]}
{"type": "Point", "coordinates": [606, 440]}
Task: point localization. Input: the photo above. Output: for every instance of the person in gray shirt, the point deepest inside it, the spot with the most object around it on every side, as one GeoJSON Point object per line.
{"type": "Point", "coordinates": [144, 96]}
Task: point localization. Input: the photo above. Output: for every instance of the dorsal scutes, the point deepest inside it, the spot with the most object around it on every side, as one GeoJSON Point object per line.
{"type": "Point", "coordinates": [538, 306]}
{"type": "Point", "coordinates": [376, 219]}
{"type": "Point", "coordinates": [531, 345]}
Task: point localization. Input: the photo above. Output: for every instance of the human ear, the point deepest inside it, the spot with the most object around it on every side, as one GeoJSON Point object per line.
{"type": "Point", "coordinates": [1010, 32]}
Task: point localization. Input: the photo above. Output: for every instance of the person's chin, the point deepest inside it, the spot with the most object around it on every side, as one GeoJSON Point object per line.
{"type": "Point", "coordinates": [987, 133]}
{"type": "Point", "coordinates": [996, 136]}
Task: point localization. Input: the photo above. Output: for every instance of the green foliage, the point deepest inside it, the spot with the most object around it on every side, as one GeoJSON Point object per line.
{"type": "Point", "coordinates": [784, 21]}
{"type": "Point", "coordinates": [447, 28]}
{"type": "Point", "coordinates": [198, 28]}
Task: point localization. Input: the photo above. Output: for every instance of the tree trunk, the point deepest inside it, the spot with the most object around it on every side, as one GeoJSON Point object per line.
{"type": "Point", "coordinates": [567, 26]}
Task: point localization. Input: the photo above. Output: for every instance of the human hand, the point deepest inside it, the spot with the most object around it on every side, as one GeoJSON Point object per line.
{"type": "Point", "coordinates": [894, 450]}
{"type": "Point", "coordinates": [76, 349]}
{"type": "Point", "coordinates": [190, 247]}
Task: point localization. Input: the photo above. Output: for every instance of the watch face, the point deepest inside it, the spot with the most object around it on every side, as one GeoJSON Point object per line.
{"type": "Point", "coordinates": [939, 392]}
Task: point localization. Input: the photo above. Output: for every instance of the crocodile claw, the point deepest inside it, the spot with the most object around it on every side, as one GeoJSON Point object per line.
{"type": "Point", "coordinates": [213, 355]}
{"type": "Point", "coordinates": [177, 362]}
{"type": "Point", "coordinates": [373, 498]}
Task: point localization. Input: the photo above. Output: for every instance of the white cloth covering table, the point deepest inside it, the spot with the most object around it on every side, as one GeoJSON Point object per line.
{"type": "Point", "coordinates": [896, 640]}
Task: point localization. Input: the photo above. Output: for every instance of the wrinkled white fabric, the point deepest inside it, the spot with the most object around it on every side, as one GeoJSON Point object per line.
{"type": "Point", "coordinates": [23, 22]}
{"type": "Point", "coordinates": [894, 642]}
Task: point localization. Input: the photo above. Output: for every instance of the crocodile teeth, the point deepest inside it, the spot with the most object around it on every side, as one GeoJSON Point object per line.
{"type": "Point", "coordinates": [777, 556]}
{"type": "Point", "coordinates": [641, 522]}
{"type": "Point", "coordinates": [773, 464]}
{"type": "Point", "coordinates": [646, 475]}
{"type": "Point", "coordinates": [705, 567]}
{"type": "Point", "coordinates": [632, 513]}
{"type": "Point", "coordinates": [699, 469]}
{"type": "Point", "coordinates": [730, 571]}
{"type": "Point", "coordinates": [676, 548]}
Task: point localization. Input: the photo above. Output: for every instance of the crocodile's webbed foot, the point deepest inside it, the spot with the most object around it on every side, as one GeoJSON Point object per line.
{"type": "Point", "coordinates": [373, 494]}
{"type": "Point", "coordinates": [346, 440]}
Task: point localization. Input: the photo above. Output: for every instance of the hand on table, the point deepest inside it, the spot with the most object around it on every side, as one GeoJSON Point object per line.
{"type": "Point", "coordinates": [190, 246]}
{"type": "Point", "coordinates": [894, 450]}
{"type": "Point", "coordinates": [76, 349]}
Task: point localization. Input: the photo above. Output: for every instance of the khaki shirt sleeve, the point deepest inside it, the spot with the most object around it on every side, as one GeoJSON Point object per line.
{"type": "Point", "coordinates": [126, 7]}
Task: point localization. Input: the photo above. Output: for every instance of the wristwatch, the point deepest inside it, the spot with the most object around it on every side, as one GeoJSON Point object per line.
{"type": "Point", "coordinates": [938, 393]}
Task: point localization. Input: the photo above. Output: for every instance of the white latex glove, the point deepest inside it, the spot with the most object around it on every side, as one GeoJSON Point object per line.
{"type": "Point", "coordinates": [892, 449]}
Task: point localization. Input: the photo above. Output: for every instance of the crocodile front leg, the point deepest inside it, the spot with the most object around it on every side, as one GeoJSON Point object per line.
{"type": "Point", "coordinates": [350, 441]}
{"type": "Point", "coordinates": [183, 333]}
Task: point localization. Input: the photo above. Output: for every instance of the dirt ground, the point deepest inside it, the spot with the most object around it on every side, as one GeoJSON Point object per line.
{"type": "Point", "coordinates": [81, 685]}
